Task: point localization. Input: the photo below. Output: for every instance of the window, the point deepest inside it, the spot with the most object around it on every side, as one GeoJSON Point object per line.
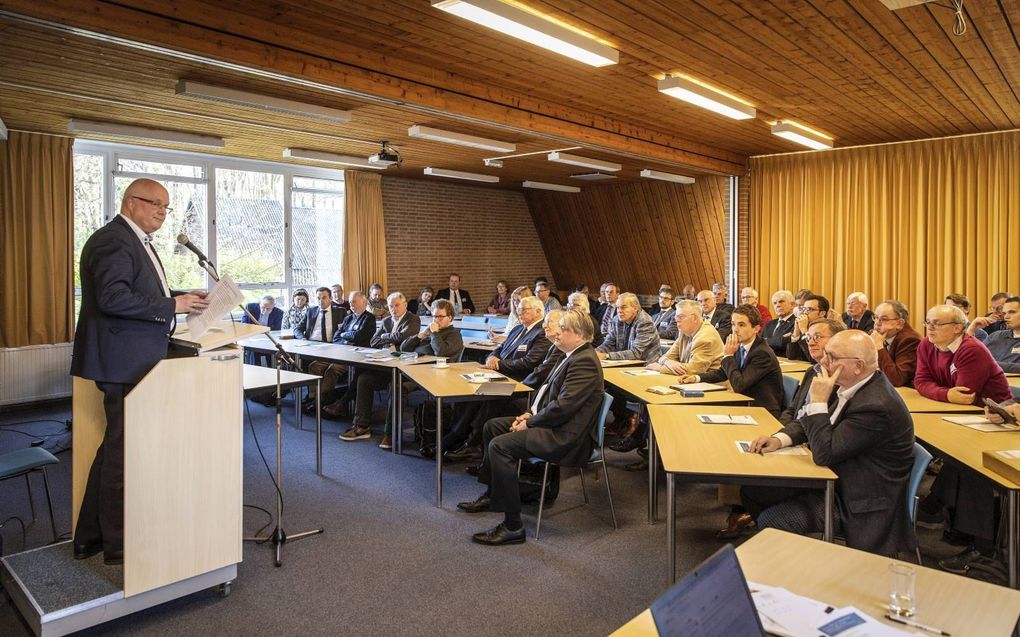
{"type": "Point", "coordinates": [318, 231]}
{"type": "Point", "coordinates": [88, 209]}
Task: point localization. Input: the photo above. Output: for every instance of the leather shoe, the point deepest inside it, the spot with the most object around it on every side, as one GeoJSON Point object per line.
{"type": "Point", "coordinates": [473, 470]}
{"type": "Point", "coordinates": [961, 562]}
{"type": "Point", "coordinates": [475, 506]}
{"type": "Point", "coordinates": [336, 410]}
{"type": "Point", "coordinates": [499, 535]}
{"type": "Point", "coordinates": [640, 465]}
{"type": "Point", "coordinates": [427, 451]}
{"type": "Point", "coordinates": [85, 551]}
{"type": "Point", "coordinates": [736, 524]}
{"type": "Point", "coordinates": [630, 443]}
{"type": "Point", "coordinates": [114, 557]}
{"type": "Point", "coordinates": [466, 453]}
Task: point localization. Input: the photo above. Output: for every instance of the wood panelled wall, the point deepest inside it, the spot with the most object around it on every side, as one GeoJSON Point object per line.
{"type": "Point", "coordinates": [636, 235]}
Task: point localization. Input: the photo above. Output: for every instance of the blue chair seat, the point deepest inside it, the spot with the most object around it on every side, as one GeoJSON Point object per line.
{"type": "Point", "coordinates": [22, 461]}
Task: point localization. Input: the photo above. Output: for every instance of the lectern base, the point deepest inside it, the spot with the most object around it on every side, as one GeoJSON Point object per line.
{"type": "Point", "coordinates": [57, 594]}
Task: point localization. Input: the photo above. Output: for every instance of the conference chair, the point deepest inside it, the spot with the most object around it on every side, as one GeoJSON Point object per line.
{"type": "Point", "coordinates": [598, 457]}
{"type": "Point", "coordinates": [789, 390]}
{"type": "Point", "coordinates": [921, 460]}
{"type": "Point", "coordinates": [23, 462]}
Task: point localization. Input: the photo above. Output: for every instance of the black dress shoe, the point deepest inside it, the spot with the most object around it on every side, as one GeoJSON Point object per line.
{"type": "Point", "coordinates": [640, 465]}
{"type": "Point", "coordinates": [475, 506]}
{"type": "Point", "coordinates": [499, 535]}
{"type": "Point", "coordinates": [473, 470]}
{"type": "Point", "coordinates": [113, 558]}
{"type": "Point", "coordinates": [85, 551]}
{"type": "Point", "coordinates": [630, 443]}
{"type": "Point", "coordinates": [467, 453]}
{"type": "Point", "coordinates": [428, 451]}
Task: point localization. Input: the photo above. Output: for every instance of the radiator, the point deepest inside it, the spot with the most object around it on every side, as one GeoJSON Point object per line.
{"type": "Point", "coordinates": [36, 372]}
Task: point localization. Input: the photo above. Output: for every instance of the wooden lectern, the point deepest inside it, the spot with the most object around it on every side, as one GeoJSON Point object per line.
{"type": "Point", "coordinates": [182, 460]}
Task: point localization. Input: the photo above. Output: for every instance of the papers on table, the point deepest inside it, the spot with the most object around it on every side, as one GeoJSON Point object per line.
{"type": "Point", "coordinates": [483, 377]}
{"type": "Point", "coordinates": [980, 423]}
{"type": "Point", "coordinates": [484, 343]}
{"type": "Point", "coordinates": [661, 390]}
{"type": "Point", "coordinates": [698, 387]}
{"type": "Point", "coordinates": [224, 297]}
{"type": "Point", "coordinates": [641, 372]}
{"type": "Point", "coordinates": [791, 615]}
{"type": "Point", "coordinates": [745, 446]}
{"type": "Point", "coordinates": [726, 419]}
{"type": "Point", "coordinates": [622, 363]}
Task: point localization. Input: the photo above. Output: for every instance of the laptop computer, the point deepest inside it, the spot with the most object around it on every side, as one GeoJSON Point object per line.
{"type": "Point", "coordinates": [712, 601]}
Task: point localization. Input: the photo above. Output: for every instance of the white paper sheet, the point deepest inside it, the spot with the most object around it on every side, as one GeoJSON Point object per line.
{"type": "Point", "coordinates": [223, 298]}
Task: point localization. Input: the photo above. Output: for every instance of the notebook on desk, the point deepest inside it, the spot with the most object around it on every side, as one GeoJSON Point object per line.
{"type": "Point", "coordinates": [712, 601]}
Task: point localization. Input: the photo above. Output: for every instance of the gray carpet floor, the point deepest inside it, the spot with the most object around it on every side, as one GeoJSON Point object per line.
{"type": "Point", "coordinates": [389, 562]}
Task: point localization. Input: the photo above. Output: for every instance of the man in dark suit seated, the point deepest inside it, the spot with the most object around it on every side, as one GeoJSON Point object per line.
{"type": "Point", "coordinates": [357, 329]}
{"type": "Point", "coordinates": [777, 331]}
{"type": "Point", "coordinates": [896, 343]}
{"type": "Point", "coordinates": [127, 317]}
{"type": "Point", "coordinates": [267, 315]}
{"type": "Point", "coordinates": [559, 427]}
{"type": "Point", "coordinates": [857, 315]}
{"type": "Point", "coordinates": [721, 294]}
{"type": "Point", "coordinates": [664, 317]}
{"type": "Point", "coordinates": [812, 308]}
{"type": "Point", "coordinates": [461, 299]}
{"type": "Point", "coordinates": [719, 317]}
{"type": "Point", "coordinates": [321, 321]}
{"type": "Point", "coordinates": [865, 435]}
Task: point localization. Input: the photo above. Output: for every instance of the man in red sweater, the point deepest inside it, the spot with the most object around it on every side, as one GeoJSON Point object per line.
{"type": "Point", "coordinates": [957, 368]}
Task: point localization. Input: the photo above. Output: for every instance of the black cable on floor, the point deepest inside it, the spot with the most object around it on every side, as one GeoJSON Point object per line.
{"type": "Point", "coordinates": [251, 425]}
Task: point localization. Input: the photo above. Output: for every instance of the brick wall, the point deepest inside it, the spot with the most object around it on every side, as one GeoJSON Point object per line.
{"type": "Point", "coordinates": [437, 227]}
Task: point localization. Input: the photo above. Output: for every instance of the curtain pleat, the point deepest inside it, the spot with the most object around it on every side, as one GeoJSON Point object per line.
{"type": "Point", "coordinates": [364, 236]}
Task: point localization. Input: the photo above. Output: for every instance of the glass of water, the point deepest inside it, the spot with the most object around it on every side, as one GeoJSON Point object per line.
{"type": "Point", "coordinates": [902, 601]}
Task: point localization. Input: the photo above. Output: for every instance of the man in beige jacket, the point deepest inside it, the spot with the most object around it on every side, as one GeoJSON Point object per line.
{"type": "Point", "coordinates": [697, 350]}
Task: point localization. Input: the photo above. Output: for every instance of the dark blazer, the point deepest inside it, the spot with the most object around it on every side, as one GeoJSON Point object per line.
{"type": "Point", "coordinates": [356, 330]}
{"type": "Point", "coordinates": [800, 398]}
{"type": "Point", "coordinates": [124, 325]}
{"type": "Point", "coordinates": [336, 317]}
{"type": "Point", "coordinates": [870, 447]}
{"type": "Point", "coordinates": [798, 350]}
{"type": "Point", "coordinates": [564, 428]}
{"type": "Point", "coordinates": [540, 374]}
{"type": "Point", "coordinates": [522, 351]}
{"type": "Point", "coordinates": [898, 361]}
{"type": "Point", "coordinates": [725, 307]}
{"type": "Point", "coordinates": [665, 323]}
{"type": "Point", "coordinates": [387, 333]}
{"type": "Point", "coordinates": [465, 298]}
{"type": "Point", "coordinates": [775, 331]}
{"type": "Point", "coordinates": [761, 378]}
{"type": "Point", "coordinates": [597, 312]}
{"type": "Point", "coordinates": [722, 320]}
{"type": "Point", "coordinates": [448, 343]}
{"type": "Point", "coordinates": [275, 316]}
{"type": "Point", "coordinates": [867, 322]}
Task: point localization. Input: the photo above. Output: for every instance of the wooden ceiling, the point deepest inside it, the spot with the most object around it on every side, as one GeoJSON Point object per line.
{"type": "Point", "coordinates": [850, 68]}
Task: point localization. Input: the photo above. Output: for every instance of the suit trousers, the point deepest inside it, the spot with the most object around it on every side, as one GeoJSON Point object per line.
{"type": "Point", "coordinates": [790, 509]}
{"type": "Point", "coordinates": [503, 449]}
{"type": "Point", "coordinates": [368, 382]}
{"type": "Point", "coordinates": [971, 499]}
{"type": "Point", "coordinates": [101, 517]}
{"type": "Point", "coordinates": [330, 372]}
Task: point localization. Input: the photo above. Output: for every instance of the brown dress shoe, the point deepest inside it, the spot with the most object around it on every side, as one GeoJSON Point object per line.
{"type": "Point", "coordinates": [335, 410]}
{"type": "Point", "coordinates": [736, 524]}
{"type": "Point", "coordinates": [633, 420]}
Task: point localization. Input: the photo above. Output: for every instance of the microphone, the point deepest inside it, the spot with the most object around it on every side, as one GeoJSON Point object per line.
{"type": "Point", "coordinates": [186, 242]}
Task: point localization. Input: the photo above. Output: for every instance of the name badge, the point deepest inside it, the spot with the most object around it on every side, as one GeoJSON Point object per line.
{"type": "Point", "coordinates": [522, 348]}
{"type": "Point", "coordinates": [952, 368]}
{"type": "Point", "coordinates": [1016, 350]}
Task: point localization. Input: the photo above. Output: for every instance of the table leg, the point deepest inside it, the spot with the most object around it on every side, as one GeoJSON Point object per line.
{"type": "Point", "coordinates": [1012, 549]}
{"type": "Point", "coordinates": [299, 416]}
{"type": "Point", "coordinates": [439, 452]}
{"type": "Point", "coordinates": [398, 424]}
{"type": "Point", "coordinates": [318, 426]}
{"type": "Point", "coordinates": [671, 525]}
{"type": "Point", "coordinates": [653, 477]}
{"type": "Point", "coordinates": [394, 381]}
{"type": "Point", "coordinates": [830, 499]}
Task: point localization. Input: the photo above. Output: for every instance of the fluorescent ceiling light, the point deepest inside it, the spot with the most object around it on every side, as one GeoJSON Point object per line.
{"type": "Point", "coordinates": [3, 130]}
{"type": "Point", "coordinates": [263, 102]}
{"type": "Point", "coordinates": [82, 126]}
{"type": "Point", "coordinates": [706, 97]}
{"type": "Point", "coordinates": [449, 137]}
{"type": "Point", "coordinates": [802, 135]}
{"type": "Point", "coordinates": [493, 163]}
{"type": "Point", "coordinates": [540, 185]}
{"type": "Point", "coordinates": [459, 174]}
{"type": "Point", "coordinates": [655, 174]}
{"type": "Point", "coordinates": [532, 29]}
{"type": "Point", "coordinates": [331, 158]}
{"type": "Point", "coordinates": [576, 160]}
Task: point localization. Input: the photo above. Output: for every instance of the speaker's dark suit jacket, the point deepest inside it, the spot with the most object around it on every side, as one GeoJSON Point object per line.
{"type": "Point", "coordinates": [275, 316]}
{"type": "Point", "coordinates": [124, 325]}
{"type": "Point", "coordinates": [522, 351]}
{"type": "Point", "coordinates": [870, 447]}
{"type": "Point", "coordinates": [465, 298]}
{"type": "Point", "coordinates": [898, 361]}
{"type": "Point", "coordinates": [866, 322]}
{"type": "Point", "coordinates": [312, 317]}
{"type": "Point", "coordinates": [722, 320]}
{"type": "Point", "coordinates": [760, 377]}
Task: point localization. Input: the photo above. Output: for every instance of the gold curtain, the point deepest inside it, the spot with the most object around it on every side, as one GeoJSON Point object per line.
{"type": "Point", "coordinates": [36, 242]}
{"type": "Point", "coordinates": [364, 237]}
{"type": "Point", "coordinates": [910, 221]}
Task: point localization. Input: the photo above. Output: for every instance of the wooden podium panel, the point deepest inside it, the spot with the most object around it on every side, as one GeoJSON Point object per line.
{"type": "Point", "coordinates": [88, 420]}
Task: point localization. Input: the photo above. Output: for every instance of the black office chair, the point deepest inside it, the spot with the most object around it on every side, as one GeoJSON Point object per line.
{"type": "Point", "coordinates": [23, 462]}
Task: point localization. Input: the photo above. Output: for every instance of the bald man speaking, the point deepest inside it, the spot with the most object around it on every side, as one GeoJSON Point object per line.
{"type": "Point", "coordinates": [127, 313]}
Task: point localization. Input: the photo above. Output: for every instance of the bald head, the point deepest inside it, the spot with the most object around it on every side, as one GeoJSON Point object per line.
{"type": "Point", "coordinates": [145, 203]}
{"type": "Point", "coordinates": [853, 353]}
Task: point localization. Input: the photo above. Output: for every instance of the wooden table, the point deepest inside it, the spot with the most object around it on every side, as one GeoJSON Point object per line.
{"type": "Point", "coordinates": [260, 378]}
{"type": "Point", "coordinates": [637, 387]}
{"type": "Point", "coordinates": [840, 576]}
{"type": "Point", "coordinates": [918, 404]}
{"type": "Point", "coordinates": [443, 383]}
{"type": "Point", "coordinates": [696, 452]}
{"type": "Point", "coordinates": [964, 446]}
{"type": "Point", "coordinates": [789, 366]}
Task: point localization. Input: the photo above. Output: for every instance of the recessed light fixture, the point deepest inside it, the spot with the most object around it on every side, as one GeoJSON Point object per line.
{"type": "Point", "coordinates": [704, 96]}
{"type": "Point", "coordinates": [449, 137]}
{"type": "Point", "coordinates": [460, 174]}
{"type": "Point", "coordinates": [105, 129]}
{"type": "Point", "coordinates": [655, 174]}
{"type": "Point", "coordinates": [331, 158]}
{"type": "Point", "coordinates": [493, 163]}
{"type": "Point", "coordinates": [585, 162]}
{"type": "Point", "coordinates": [262, 102]}
{"type": "Point", "coordinates": [532, 29]}
{"type": "Point", "coordinates": [801, 135]}
{"type": "Point", "coordinates": [541, 185]}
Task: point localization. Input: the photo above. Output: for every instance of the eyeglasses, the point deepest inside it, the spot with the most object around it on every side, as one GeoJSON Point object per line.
{"type": "Point", "coordinates": [814, 338]}
{"type": "Point", "coordinates": [152, 202]}
{"type": "Point", "coordinates": [666, 297]}
{"type": "Point", "coordinates": [440, 316]}
{"type": "Point", "coordinates": [831, 357]}
{"type": "Point", "coordinates": [810, 309]}
{"type": "Point", "coordinates": [933, 324]}
{"type": "Point", "coordinates": [880, 319]}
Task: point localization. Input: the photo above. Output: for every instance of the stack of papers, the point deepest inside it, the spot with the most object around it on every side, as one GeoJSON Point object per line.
{"type": "Point", "coordinates": [980, 423]}
{"type": "Point", "coordinates": [697, 387]}
{"type": "Point", "coordinates": [726, 419]}
{"type": "Point", "coordinates": [641, 372]}
{"type": "Point", "coordinates": [482, 377]}
{"type": "Point", "coordinates": [484, 343]}
{"type": "Point", "coordinates": [791, 615]}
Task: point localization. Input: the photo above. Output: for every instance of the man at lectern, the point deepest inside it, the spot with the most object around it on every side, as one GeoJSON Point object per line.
{"type": "Point", "coordinates": [127, 316]}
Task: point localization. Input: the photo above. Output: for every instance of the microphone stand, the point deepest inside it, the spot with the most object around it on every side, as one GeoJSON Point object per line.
{"type": "Point", "coordinates": [277, 536]}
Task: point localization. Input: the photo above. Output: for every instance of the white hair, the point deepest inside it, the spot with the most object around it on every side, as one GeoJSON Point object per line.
{"type": "Point", "coordinates": [786, 295]}
{"type": "Point", "coordinates": [532, 302]}
{"type": "Point", "coordinates": [395, 296]}
{"type": "Point", "coordinates": [860, 296]}
{"type": "Point", "coordinates": [578, 299]}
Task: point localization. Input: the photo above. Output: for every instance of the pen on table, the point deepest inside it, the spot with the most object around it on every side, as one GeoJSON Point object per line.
{"type": "Point", "coordinates": [907, 622]}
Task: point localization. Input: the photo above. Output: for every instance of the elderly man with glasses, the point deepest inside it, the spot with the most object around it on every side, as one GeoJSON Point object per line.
{"type": "Point", "coordinates": [749, 296]}
{"type": "Point", "coordinates": [896, 343]}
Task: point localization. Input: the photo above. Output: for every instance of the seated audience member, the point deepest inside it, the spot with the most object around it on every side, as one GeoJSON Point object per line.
{"type": "Point", "coordinates": [995, 320]}
{"type": "Point", "coordinates": [392, 331]}
{"type": "Point", "coordinates": [357, 329]}
{"type": "Point", "coordinates": [1004, 344]}
{"type": "Point", "coordinates": [500, 304]}
{"type": "Point", "coordinates": [798, 300]}
{"type": "Point", "coordinates": [296, 312]}
{"type": "Point", "coordinates": [608, 309]}
{"type": "Point", "coordinates": [665, 318]}
{"type": "Point", "coordinates": [631, 336]}
{"type": "Point", "coordinates": [717, 316]}
{"type": "Point", "coordinates": [813, 307]}
{"type": "Point", "coordinates": [422, 305]}
{"type": "Point", "coordinates": [525, 346]}
{"type": "Point", "coordinates": [560, 426]}
{"type": "Point", "coordinates": [578, 302]}
{"type": "Point", "coordinates": [549, 300]}
{"type": "Point", "coordinates": [321, 321]}
{"type": "Point", "coordinates": [690, 293]}
{"type": "Point", "coordinates": [963, 302]}
{"type": "Point", "coordinates": [748, 363]}
{"type": "Point", "coordinates": [896, 343]}
{"type": "Point", "coordinates": [865, 436]}
{"type": "Point", "coordinates": [655, 308]}
{"type": "Point", "coordinates": [265, 313]}
{"type": "Point", "coordinates": [857, 315]}
{"type": "Point", "coordinates": [376, 302]}
{"type": "Point", "coordinates": [512, 321]}
{"type": "Point", "coordinates": [337, 295]}
{"type": "Point", "coordinates": [749, 296]}
{"type": "Point", "coordinates": [698, 347]}
{"type": "Point", "coordinates": [583, 289]}
{"type": "Point", "coordinates": [721, 292]}
{"type": "Point", "coordinates": [777, 331]}
{"type": "Point", "coordinates": [461, 299]}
